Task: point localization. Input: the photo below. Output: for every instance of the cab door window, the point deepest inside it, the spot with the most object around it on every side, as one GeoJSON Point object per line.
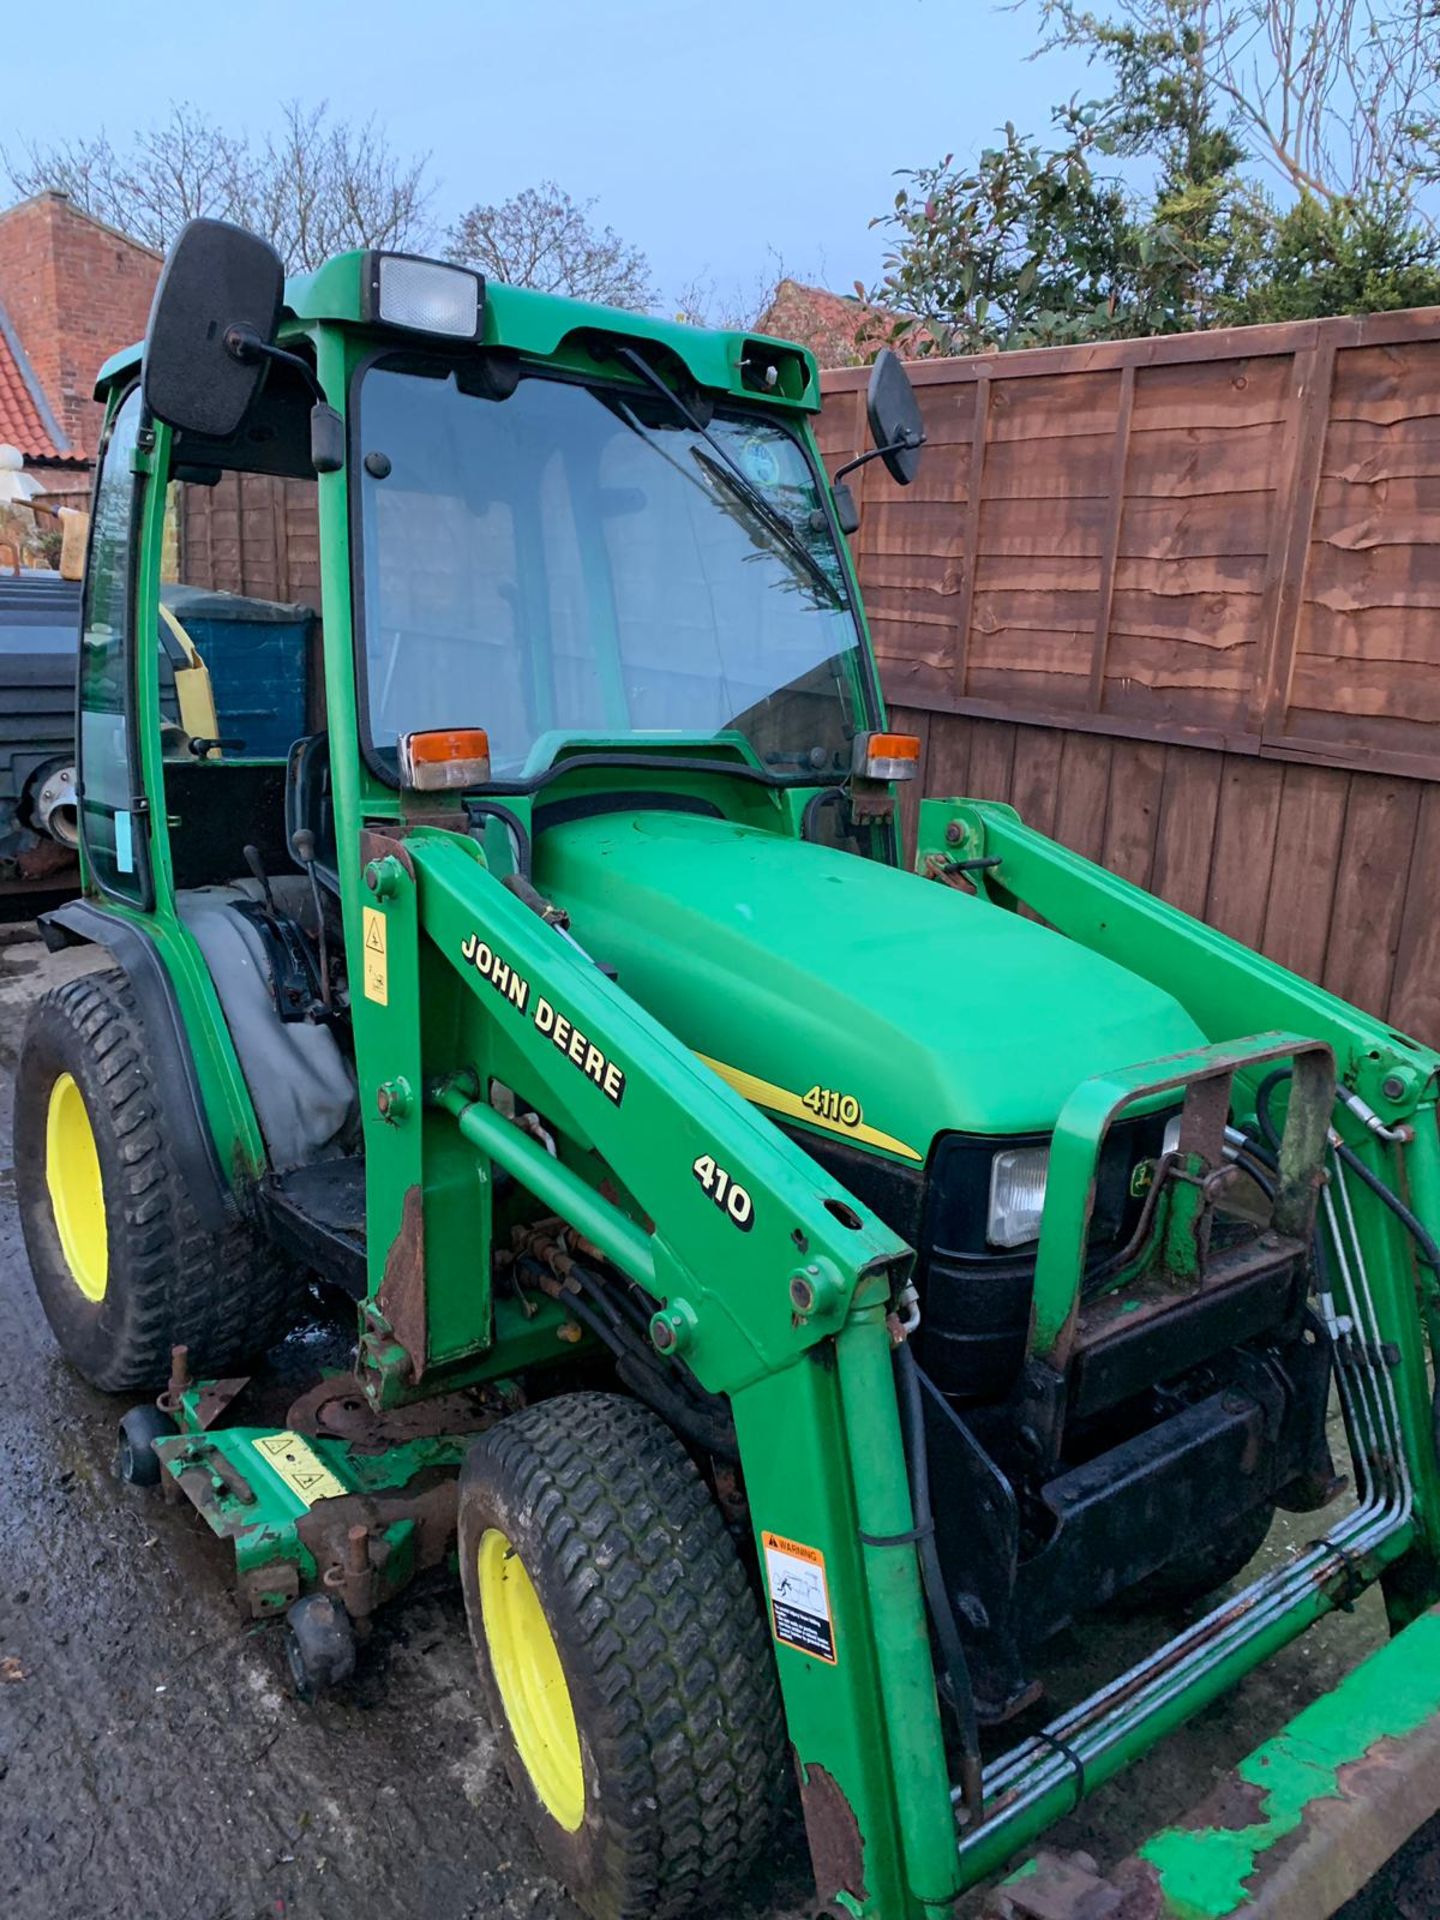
{"type": "Point", "coordinates": [112, 828]}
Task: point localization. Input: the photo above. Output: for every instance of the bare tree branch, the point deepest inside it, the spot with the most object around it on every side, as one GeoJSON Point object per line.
{"type": "Point", "coordinates": [543, 239]}
{"type": "Point", "coordinates": [316, 188]}
{"type": "Point", "coordinates": [1341, 98]}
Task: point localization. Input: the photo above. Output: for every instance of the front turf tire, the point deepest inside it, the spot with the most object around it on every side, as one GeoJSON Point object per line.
{"type": "Point", "coordinates": [623, 1657]}
{"type": "Point", "coordinates": [123, 1268]}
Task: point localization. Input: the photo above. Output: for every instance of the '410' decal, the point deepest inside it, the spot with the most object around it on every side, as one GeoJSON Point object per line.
{"type": "Point", "coordinates": [731, 1198]}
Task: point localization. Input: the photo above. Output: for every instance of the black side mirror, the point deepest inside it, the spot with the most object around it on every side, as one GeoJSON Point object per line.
{"type": "Point", "coordinates": [895, 424]}
{"type": "Point", "coordinates": [216, 310]}
{"type": "Point", "coordinates": [895, 427]}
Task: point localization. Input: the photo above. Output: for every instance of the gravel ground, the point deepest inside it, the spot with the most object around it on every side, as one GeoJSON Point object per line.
{"type": "Point", "coordinates": [153, 1767]}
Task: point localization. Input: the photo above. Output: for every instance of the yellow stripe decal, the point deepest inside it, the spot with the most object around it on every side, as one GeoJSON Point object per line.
{"type": "Point", "coordinates": [764, 1093]}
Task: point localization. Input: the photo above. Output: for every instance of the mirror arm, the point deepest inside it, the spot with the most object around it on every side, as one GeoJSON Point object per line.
{"type": "Point", "coordinates": [877, 453]}
{"type": "Point", "coordinates": [327, 430]}
{"type": "Point", "coordinates": [245, 345]}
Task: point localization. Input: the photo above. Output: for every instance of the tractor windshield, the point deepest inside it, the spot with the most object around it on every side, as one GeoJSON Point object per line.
{"type": "Point", "coordinates": [575, 563]}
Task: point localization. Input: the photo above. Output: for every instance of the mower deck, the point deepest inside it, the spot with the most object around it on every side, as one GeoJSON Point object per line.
{"type": "Point", "coordinates": [340, 1499]}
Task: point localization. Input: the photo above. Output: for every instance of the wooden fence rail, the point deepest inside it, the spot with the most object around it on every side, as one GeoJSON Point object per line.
{"type": "Point", "coordinates": [1179, 601]}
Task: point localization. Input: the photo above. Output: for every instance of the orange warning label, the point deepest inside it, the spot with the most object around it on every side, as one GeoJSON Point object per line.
{"type": "Point", "coordinates": [799, 1596]}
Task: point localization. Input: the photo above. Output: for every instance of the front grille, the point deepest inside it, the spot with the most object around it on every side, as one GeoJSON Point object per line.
{"type": "Point", "coordinates": [977, 1297]}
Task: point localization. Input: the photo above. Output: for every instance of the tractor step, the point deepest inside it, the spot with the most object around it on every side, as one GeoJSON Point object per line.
{"type": "Point", "coordinates": [316, 1214]}
{"type": "Point", "coordinates": [1296, 1829]}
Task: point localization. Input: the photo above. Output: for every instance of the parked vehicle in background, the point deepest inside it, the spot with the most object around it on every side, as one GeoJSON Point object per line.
{"type": "Point", "coordinates": [39, 622]}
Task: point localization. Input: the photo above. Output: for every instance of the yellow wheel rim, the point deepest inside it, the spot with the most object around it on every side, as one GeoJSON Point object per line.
{"type": "Point", "coordinates": [77, 1197]}
{"type": "Point", "coordinates": [532, 1682]}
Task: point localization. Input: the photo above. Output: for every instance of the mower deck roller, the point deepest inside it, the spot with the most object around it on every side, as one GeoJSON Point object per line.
{"type": "Point", "coordinates": [792, 1291]}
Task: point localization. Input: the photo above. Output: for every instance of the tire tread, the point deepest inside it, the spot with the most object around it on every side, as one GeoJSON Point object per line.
{"type": "Point", "coordinates": [661, 1611]}
{"type": "Point", "coordinates": [226, 1296]}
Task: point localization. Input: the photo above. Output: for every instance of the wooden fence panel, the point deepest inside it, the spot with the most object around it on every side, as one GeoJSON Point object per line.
{"type": "Point", "coordinates": [1225, 539]}
{"type": "Point", "coordinates": [1178, 601]}
{"type": "Point", "coordinates": [1327, 871]}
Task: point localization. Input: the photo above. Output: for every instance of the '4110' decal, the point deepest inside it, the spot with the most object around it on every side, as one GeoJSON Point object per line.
{"type": "Point", "coordinates": [731, 1198]}
{"type": "Point", "coordinates": [826, 1104]}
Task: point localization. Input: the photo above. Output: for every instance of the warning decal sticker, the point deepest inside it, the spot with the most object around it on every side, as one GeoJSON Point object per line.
{"type": "Point", "coordinates": [299, 1466]}
{"type": "Point", "coordinates": [377, 960]}
{"type": "Point", "coordinates": [799, 1597]}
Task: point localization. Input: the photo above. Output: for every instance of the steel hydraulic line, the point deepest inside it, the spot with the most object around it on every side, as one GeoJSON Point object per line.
{"type": "Point", "coordinates": [1089, 1731]}
{"type": "Point", "coordinates": [1037, 1768]}
{"type": "Point", "coordinates": [1041, 1766]}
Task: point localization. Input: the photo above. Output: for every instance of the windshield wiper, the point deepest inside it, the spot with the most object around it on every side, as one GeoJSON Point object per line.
{"type": "Point", "coordinates": [733, 475]}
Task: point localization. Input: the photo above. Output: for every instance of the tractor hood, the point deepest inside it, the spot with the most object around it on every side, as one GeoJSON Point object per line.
{"type": "Point", "coordinates": [879, 1007]}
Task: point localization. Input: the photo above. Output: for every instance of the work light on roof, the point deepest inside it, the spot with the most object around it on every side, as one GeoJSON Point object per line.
{"type": "Point", "coordinates": [426, 296]}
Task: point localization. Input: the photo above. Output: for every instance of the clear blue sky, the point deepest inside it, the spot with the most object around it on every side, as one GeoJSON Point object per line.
{"type": "Point", "coordinates": [713, 137]}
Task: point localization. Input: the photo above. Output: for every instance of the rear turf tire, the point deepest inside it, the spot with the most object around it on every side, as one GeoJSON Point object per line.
{"type": "Point", "coordinates": [622, 1655]}
{"type": "Point", "coordinates": [122, 1266]}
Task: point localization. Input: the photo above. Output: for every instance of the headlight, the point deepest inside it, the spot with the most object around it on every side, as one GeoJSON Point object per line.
{"type": "Point", "coordinates": [427, 296]}
{"type": "Point", "coordinates": [1017, 1195]}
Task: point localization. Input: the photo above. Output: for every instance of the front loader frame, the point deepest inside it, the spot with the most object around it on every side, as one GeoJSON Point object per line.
{"type": "Point", "coordinates": [1383, 1309]}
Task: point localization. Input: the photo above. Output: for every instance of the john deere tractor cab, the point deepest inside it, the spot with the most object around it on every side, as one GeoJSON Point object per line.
{"type": "Point", "coordinates": [793, 1288]}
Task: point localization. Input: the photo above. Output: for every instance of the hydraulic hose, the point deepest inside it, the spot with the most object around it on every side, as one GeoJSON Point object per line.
{"type": "Point", "coordinates": [1425, 1245]}
{"type": "Point", "coordinates": [827, 797]}
{"type": "Point", "coordinates": [957, 1688]}
{"type": "Point", "coordinates": [1429, 1251]}
{"type": "Point", "coordinates": [477, 810]}
{"type": "Point", "coordinates": [702, 1418]}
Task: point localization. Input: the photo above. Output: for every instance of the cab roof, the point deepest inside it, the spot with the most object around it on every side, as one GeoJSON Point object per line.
{"type": "Point", "coordinates": [538, 326]}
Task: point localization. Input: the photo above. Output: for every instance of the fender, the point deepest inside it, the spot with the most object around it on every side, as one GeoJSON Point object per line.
{"type": "Point", "coordinates": [79, 923]}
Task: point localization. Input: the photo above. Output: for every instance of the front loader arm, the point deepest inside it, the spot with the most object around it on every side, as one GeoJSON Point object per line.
{"type": "Point", "coordinates": [1229, 989]}
{"type": "Point", "coordinates": [776, 1284]}
{"type": "Point", "coordinates": [754, 1252]}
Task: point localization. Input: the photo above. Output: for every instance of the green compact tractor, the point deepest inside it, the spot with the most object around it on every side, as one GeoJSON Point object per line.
{"type": "Point", "coordinates": [793, 1288]}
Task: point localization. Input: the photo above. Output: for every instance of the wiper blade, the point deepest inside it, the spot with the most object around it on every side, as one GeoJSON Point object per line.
{"type": "Point", "coordinates": [771, 519]}
{"type": "Point", "coordinates": [735, 477]}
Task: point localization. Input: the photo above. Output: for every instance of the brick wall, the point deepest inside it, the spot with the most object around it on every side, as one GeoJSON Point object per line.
{"type": "Point", "coordinates": [76, 291]}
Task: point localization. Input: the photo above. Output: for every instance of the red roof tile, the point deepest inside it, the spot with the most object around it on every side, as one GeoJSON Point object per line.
{"type": "Point", "coordinates": [22, 417]}
{"type": "Point", "coordinates": [840, 330]}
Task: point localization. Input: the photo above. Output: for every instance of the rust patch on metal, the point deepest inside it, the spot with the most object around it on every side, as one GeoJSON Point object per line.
{"type": "Point", "coordinates": [837, 1846]}
{"type": "Point", "coordinates": [215, 1398]}
{"type": "Point", "coordinates": [431, 1500]}
{"type": "Point", "coordinates": [1070, 1886]}
{"type": "Point", "coordinates": [401, 1297]}
{"type": "Point", "coordinates": [211, 1403]}
{"type": "Point", "coordinates": [1233, 1805]}
{"type": "Point", "coordinates": [1138, 1884]}
{"type": "Point", "coordinates": [1345, 1833]}
{"type": "Point", "coordinates": [263, 1591]}
{"type": "Point", "coordinates": [338, 1410]}
{"type": "Point", "coordinates": [44, 860]}
{"type": "Point", "coordinates": [376, 846]}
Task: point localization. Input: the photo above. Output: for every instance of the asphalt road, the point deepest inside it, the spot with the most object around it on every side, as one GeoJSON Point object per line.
{"type": "Point", "coordinates": [153, 1767]}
